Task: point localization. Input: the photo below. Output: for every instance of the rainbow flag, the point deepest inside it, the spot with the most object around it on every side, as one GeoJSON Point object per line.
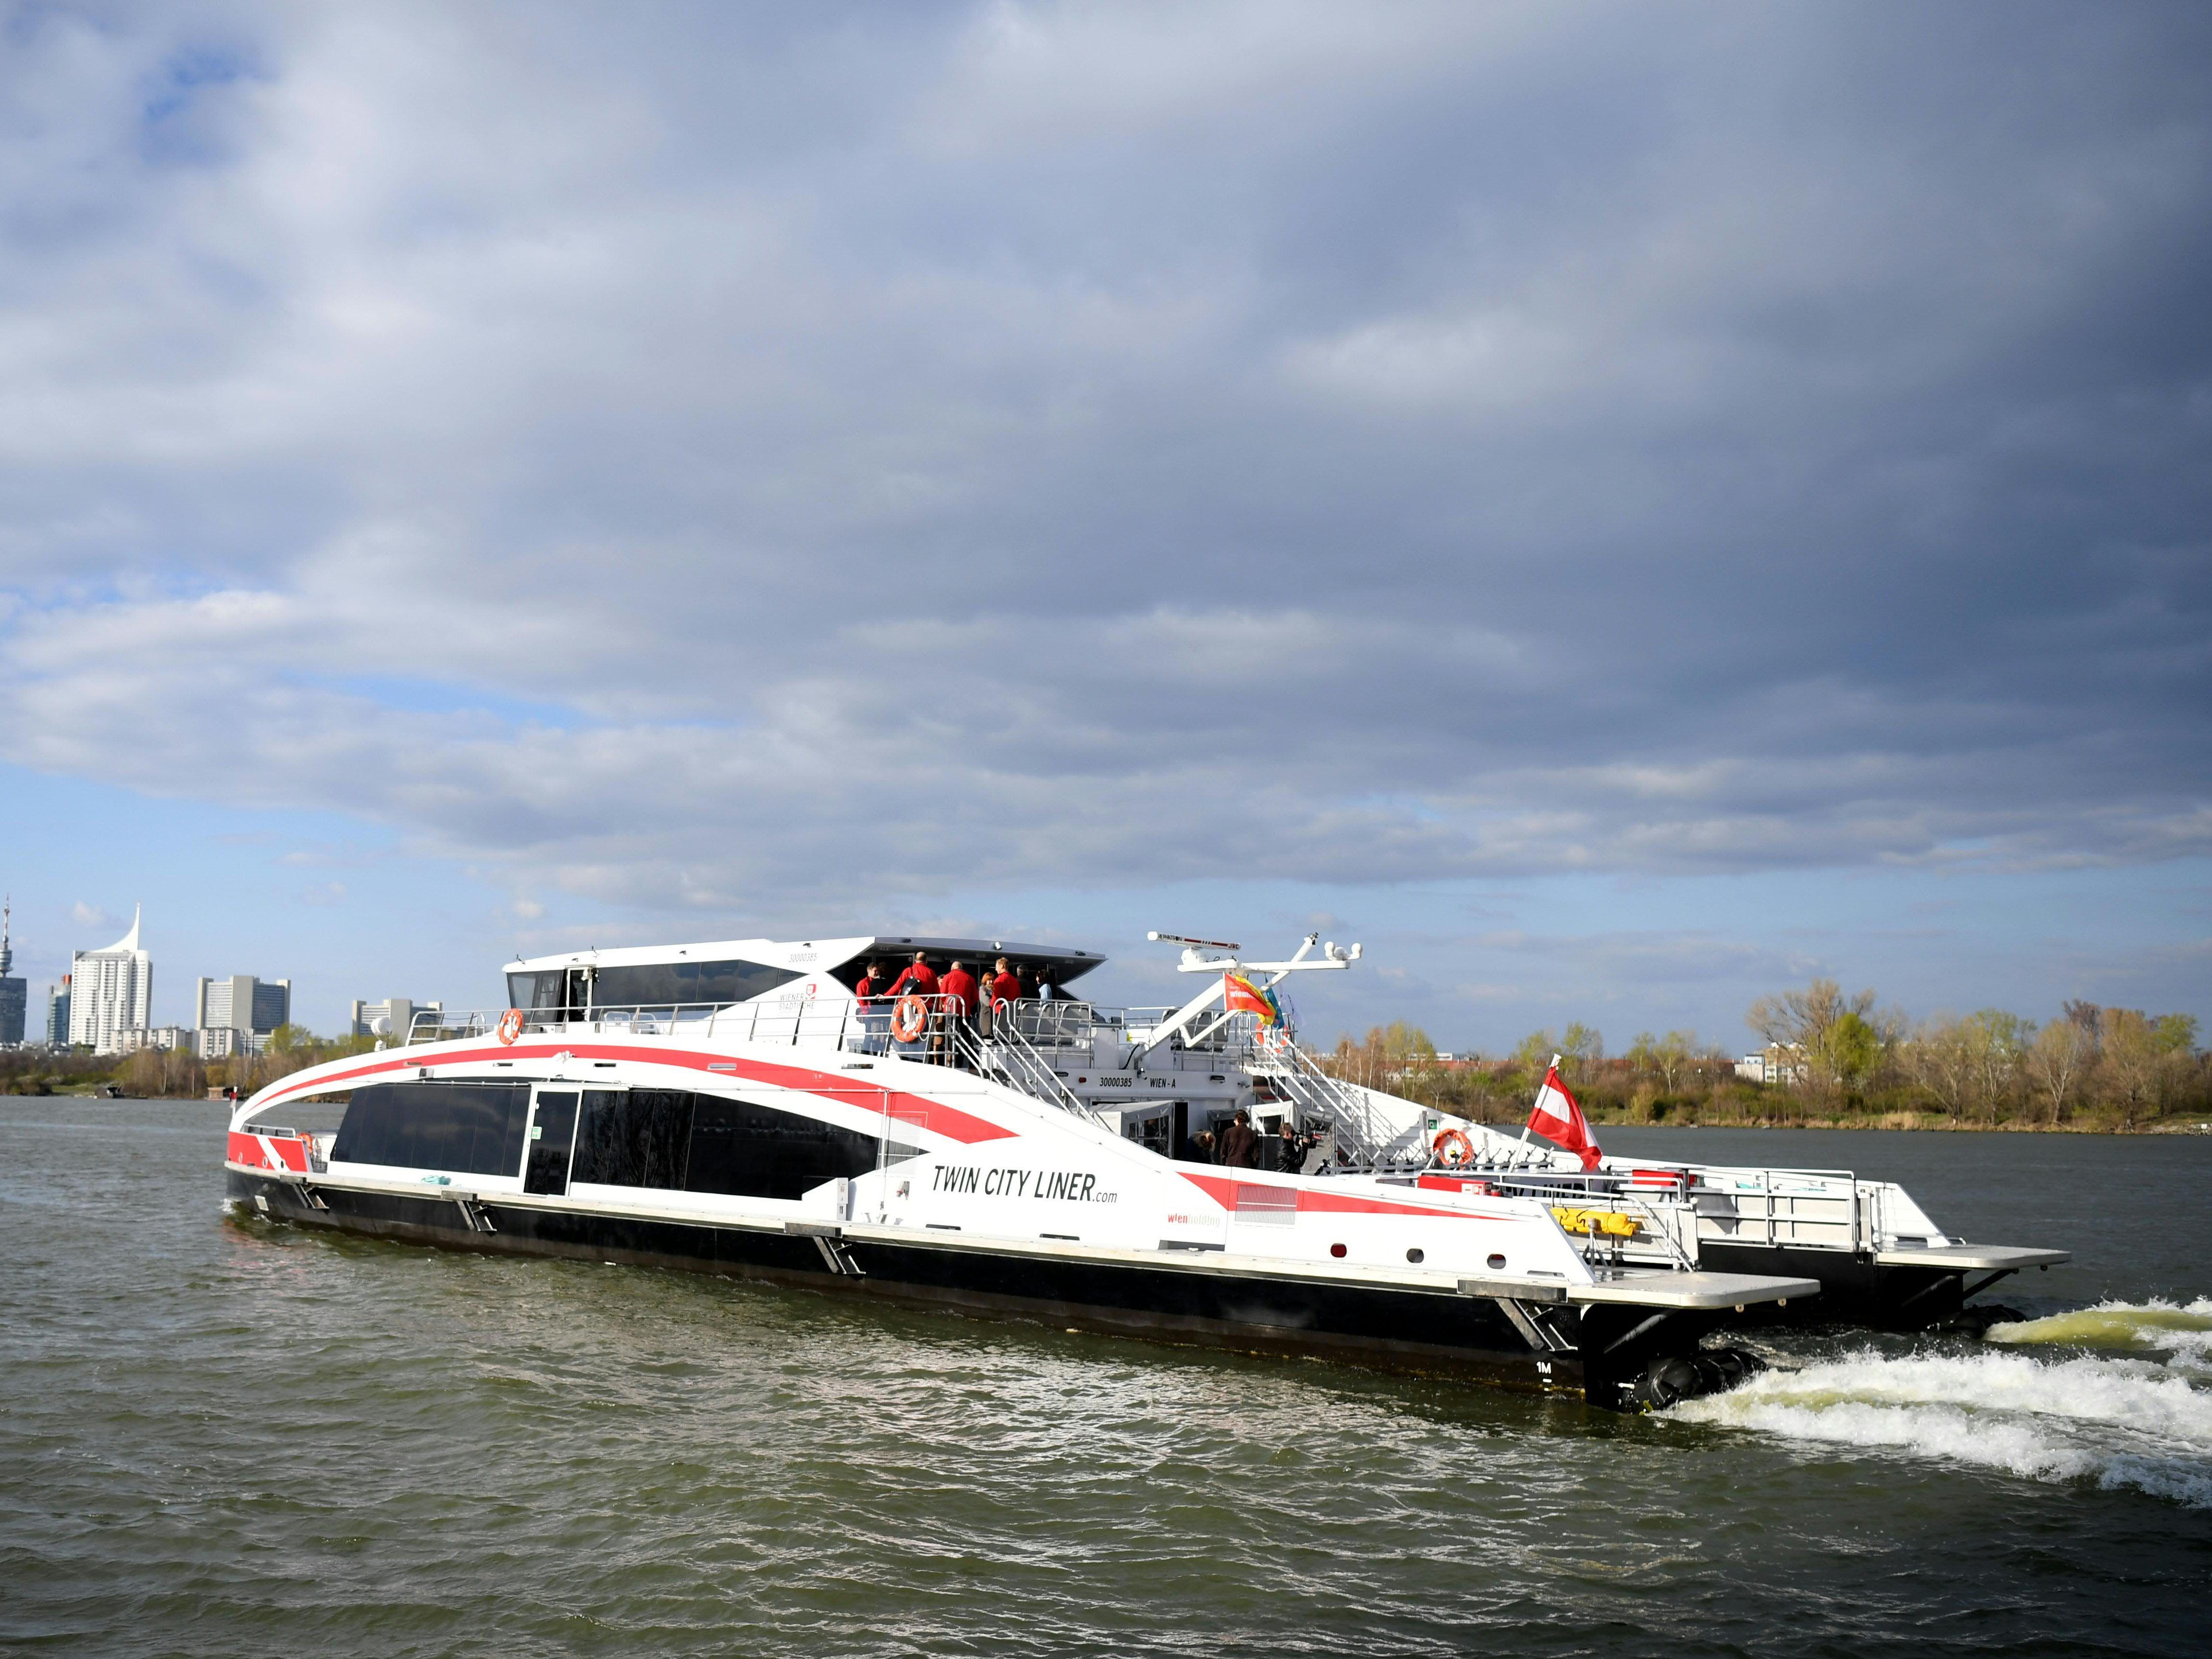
{"type": "Point", "coordinates": [1240, 996]}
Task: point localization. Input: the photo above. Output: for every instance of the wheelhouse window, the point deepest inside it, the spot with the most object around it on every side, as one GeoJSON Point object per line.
{"type": "Point", "coordinates": [537, 990]}
{"type": "Point", "coordinates": [656, 984]}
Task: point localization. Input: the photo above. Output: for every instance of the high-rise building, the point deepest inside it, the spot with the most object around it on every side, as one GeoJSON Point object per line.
{"type": "Point", "coordinates": [14, 995]}
{"type": "Point", "coordinates": [224, 1042]}
{"type": "Point", "coordinates": [113, 992]}
{"type": "Point", "coordinates": [400, 1011]}
{"type": "Point", "coordinates": [242, 1003]}
{"type": "Point", "coordinates": [58, 1001]}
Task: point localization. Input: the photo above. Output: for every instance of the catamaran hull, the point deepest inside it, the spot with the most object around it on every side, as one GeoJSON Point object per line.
{"type": "Point", "coordinates": [1856, 1289]}
{"type": "Point", "coordinates": [1382, 1328]}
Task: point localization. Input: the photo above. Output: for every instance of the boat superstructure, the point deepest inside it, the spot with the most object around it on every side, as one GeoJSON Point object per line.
{"type": "Point", "coordinates": [1160, 1073]}
{"type": "Point", "coordinates": [803, 1136]}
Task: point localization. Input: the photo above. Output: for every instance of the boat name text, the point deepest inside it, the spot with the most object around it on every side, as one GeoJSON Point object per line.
{"type": "Point", "coordinates": [1072, 1186]}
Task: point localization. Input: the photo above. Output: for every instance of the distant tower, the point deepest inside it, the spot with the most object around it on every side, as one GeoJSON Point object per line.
{"type": "Point", "coordinates": [14, 995]}
{"type": "Point", "coordinates": [113, 993]}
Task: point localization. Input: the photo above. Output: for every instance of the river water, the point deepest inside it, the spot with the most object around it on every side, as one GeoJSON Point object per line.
{"type": "Point", "coordinates": [218, 1436]}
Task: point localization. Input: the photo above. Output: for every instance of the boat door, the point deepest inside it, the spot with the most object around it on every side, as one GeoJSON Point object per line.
{"type": "Point", "coordinates": [552, 1140]}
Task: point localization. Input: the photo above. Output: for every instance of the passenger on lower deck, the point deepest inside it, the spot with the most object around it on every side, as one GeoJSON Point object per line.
{"type": "Point", "coordinates": [958, 989]}
{"type": "Point", "coordinates": [1005, 986]}
{"type": "Point", "coordinates": [1240, 1147]}
{"type": "Point", "coordinates": [874, 991]}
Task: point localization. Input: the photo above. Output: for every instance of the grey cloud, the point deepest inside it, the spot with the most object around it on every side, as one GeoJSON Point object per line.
{"type": "Point", "coordinates": [1084, 447]}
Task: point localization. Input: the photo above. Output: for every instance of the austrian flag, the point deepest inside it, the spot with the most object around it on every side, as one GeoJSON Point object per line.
{"type": "Point", "coordinates": [1557, 1117]}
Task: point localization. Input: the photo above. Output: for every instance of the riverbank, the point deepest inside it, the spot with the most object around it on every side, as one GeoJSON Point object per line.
{"type": "Point", "coordinates": [1906, 1122]}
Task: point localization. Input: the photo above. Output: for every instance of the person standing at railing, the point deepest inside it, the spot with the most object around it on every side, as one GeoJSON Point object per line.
{"type": "Point", "coordinates": [1005, 984]}
{"type": "Point", "coordinates": [919, 977]}
{"type": "Point", "coordinates": [959, 988]}
{"type": "Point", "coordinates": [874, 993]}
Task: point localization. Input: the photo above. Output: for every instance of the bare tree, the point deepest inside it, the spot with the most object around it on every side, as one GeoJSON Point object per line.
{"type": "Point", "coordinates": [1997, 1041]}
{"type": "Point", "coordinates": [1839, 1036]}
{"type": "Point", "coordinates": [1940, 1059]}
{"type": "Point", "coordinates": [1582, 1047]}
{"type": "Point", "coordinates": [2062, 1051]}
{"type": "Point", "coordinates": [2143, 1058]}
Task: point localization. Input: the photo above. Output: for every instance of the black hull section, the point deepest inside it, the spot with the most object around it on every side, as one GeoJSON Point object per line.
{"type": "Point", "coordinates": [1424, 1332]}
{"type": "Point", "coordinates": [1854, 1290]}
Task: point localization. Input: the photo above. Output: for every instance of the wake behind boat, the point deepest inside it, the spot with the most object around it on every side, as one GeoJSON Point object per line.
{"type": "Point", "coordinates": [737, 1107]}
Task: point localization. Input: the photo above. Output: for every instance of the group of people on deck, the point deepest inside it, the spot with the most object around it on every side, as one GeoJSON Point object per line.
{"type": "Point", "coordinates": [1238, 1145]}
{"type": "Point", "coordinates": [954, 995]}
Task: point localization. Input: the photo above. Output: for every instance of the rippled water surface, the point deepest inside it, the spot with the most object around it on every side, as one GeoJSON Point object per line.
{"type": "Point", "coordinates": [220, 1437]}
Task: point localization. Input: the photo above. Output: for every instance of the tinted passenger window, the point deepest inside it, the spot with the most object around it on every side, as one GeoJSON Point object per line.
{"type": "Point", "coordinates": [467, 1128]}
{"type": "Point", "coordinates": [688, 981]}
{"type": "Point", "coordinates": [758, 1152]}
{"type": "Point", "coordinates": [633, 1137]}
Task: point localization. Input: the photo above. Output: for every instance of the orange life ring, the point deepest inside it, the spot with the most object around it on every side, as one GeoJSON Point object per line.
{"type": "Point", "coordinates": [909, 1017]}
{"type": "Point", "coordinates": [510, 1026]}
{"type": "Point", "coordinates": [1449, 1140]}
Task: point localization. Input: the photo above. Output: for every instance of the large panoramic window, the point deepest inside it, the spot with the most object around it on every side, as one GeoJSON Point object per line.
{"type": "Point", "coordinates": [466, 1128]}
{"type": "Point", "coordinates": [758, 1151]}
{"type": "Point", "coordinates": [657, 982]}
{"type": "Point", "coordinates": [633, 1138]}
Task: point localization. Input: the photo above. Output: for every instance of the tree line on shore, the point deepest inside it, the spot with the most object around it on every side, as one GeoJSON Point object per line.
{"type": "Point", "coordinates": [1829, 1060]}
{"type": "Point", "coordinates": [170, 1073]}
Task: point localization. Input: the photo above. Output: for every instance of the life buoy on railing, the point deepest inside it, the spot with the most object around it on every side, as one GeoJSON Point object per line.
{"type": "Point", "coordinates": [510, 1027]}
{"type": "Point", "coordinates": [909, 1017]}
{"type": "Point", "coordinates": [1453, 1148]}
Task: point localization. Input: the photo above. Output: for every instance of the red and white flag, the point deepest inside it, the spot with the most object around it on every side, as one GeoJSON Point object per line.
{"type": "Point", "coordinates": [1557, 1117]}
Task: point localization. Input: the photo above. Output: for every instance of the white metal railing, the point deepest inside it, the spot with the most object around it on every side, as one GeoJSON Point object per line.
{"type": "Point", "coordinates": [990, 1041]}
{"type": "Point", "coordinates": [1799, 1209]}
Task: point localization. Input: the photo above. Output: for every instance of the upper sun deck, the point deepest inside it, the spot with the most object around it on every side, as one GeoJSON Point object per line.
{"type": "Point", "coordinates": [722, 972]}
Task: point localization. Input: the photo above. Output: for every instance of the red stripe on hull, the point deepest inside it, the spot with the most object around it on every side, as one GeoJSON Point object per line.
{"type": "Point", "coordinates": [932, 1115]}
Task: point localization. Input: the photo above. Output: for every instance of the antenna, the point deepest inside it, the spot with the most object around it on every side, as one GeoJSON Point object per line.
{"type": "Point", "coordinates": [1202, 944]}
{"type": "Point", "coordinates": [7, 915]}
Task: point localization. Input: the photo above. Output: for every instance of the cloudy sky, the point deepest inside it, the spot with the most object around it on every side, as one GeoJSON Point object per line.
{"type": "Point", "coordinates": [1619, 509]}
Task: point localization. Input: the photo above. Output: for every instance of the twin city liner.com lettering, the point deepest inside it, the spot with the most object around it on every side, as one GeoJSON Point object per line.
{"type": "Point", "coordinates": [1066, 1186]}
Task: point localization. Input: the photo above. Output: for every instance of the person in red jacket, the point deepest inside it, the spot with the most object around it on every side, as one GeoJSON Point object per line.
{"type": "Point", "coordinates": [1006, 985]}
{"type": "Point", "coordinates": [873, 994]}
{"type": "Point", "coordinates": [959, 988]}
{"type": "Point", "coordinates": [919, 978]}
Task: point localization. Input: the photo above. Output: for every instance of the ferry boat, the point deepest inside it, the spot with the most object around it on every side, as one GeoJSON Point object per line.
{"type": "Point", "coordinates": [735, 1108]}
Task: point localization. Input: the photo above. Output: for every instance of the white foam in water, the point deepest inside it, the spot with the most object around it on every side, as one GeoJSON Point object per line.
{"type": "Point", "coordinates": [2117, 1422]}
{"type": "Point", "coordinates": [2182, 1331]}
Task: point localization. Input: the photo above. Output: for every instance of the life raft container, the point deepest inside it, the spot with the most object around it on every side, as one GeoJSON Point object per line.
{"type": "Point", "coordinates": [510, 1026]}
{"type": "Point", "coordinates": [909, 1018]}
